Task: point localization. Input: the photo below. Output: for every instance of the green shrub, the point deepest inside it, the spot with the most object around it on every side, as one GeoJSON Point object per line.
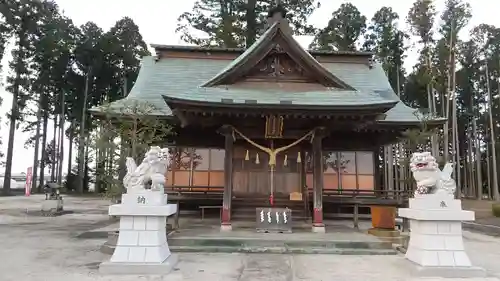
{"type": "Point", "coordinates": [495, 208]}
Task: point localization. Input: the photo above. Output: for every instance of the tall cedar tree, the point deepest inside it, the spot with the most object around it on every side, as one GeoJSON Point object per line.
{"type": "Point", "coordinates": [90, 79]}
{"type": "Point", "coordinates": [343, 31]}
{"type": "Point", "coordinates": [5, 34]}
{"type": "Point", "coordinates": [52, 62]}
{"type": "Point", "coordinates": [21, 19]}
{"type": "Point", "coordinates": [487, 41]}
{"type": "Point", "coordinates": [237, 23]}
{"type": "Point", "coordinates": [124, 47]}
{"type": "Point", "coordinates": [387, 42]}
{"type": "Point", "coordinates": [421, 21]}
{"type": "Point", "coordinates": [454, 18]}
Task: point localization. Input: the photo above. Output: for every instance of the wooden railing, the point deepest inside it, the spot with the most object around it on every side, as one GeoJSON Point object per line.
{"type": "Point", "coordinates": [360, 193]}
{"type": "Point", "coordinates": [194, 189]}
{"type": "Point", "coordinates": [365, 197]}
{"type": "Point", "coordinates": [328, 194]}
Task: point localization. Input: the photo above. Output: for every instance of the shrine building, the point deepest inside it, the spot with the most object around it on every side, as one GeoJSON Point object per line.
{"type": "Point", "coordinates": [273, 124]}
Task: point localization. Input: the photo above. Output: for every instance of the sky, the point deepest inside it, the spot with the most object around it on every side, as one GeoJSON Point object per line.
{"type": "Point", "coordinates": [157, 20]}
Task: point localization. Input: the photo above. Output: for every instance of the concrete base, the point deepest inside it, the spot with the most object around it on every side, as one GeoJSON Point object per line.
{"type": "Point", "coordinates": [393, 236]}
{"type": "Point", "coordinates": [385, 233]}
{"type": "Point", "coordinates": [436, 232]}
{"type": "Point", "coordinates": [449, 272]}
{"type": "Point", "coordinates": [226, 227]}
{"type": "Point", "coordinates": [142, 237]}
{"type": "Point", "coordinates": [318, 229]}
{"type": "Point", "coordinates": [125, 268]}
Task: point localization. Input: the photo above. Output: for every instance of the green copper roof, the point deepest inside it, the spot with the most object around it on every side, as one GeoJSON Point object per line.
{"type": "Point", "coordinates": [181, 78]}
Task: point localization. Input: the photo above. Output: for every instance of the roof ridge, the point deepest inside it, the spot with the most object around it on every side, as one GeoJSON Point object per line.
{"type": "Point", "coordinates": [193, 48]}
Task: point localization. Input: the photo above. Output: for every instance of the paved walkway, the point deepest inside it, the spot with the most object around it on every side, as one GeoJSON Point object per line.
{"type": "Point", "coordinates": [39, 248]}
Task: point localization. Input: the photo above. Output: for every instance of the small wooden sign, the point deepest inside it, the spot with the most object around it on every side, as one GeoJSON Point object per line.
{"type": "Point", "coordinates": [274, 220]}
{"type": "Point", "coordinates": [295, 196]}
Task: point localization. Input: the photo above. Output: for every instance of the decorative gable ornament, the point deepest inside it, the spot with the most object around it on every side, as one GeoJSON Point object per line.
{"type": "Point", "coordinates": [277, 55]}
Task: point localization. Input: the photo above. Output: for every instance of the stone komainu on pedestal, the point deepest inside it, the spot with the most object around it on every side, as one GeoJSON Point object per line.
{"type": "Point", "coordinates": [436, 243]}
{"type": "Point", "coordinates": [142, 246]}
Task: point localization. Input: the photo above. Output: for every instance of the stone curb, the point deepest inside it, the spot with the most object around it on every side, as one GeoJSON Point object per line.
{"type": "Point", "coordinates": [281, 250]}
{"type": "Point", "coordinates": [108, 249]}
{"type": "Point", "coordinates": [487, 229]}
{"type": "Point", "coordinates": [257, 243]}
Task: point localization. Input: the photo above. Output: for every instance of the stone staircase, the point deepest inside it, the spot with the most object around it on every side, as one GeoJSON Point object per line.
{"type": "Point", "coordinates": [279, 246]}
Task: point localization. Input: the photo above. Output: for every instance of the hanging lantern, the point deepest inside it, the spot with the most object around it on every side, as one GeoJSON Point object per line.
{"type": "Point", "coordinates": [247, 156]}
{"type": "Point", "coordinates": [257, 161]}
{"type": "Point", "coordinates": [299, 160]}
{"type": "Point", "coordinates": [285, 163]}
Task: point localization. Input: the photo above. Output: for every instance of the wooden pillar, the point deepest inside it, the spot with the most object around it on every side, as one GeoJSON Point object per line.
{"type": "Point", "coordinates": [303, 183]}
{"type": "Point", "coordinates": [376, 169]}
{"type": "Point", "coordinates": [317, 150]}
{"type": "Point", "coordinates": [228, 178]}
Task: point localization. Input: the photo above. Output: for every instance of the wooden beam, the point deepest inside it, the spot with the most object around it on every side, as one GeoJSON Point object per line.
{"type": "Point", "coordinates": [317, 151]}
{"type": "Point", "coordinates": [228, 178]}
{"type": "Point", "coordinates": [182, 117]}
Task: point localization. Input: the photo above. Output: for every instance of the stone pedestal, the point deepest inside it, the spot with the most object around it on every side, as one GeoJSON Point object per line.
{"type": "Point", "coordinates": [436, 243]}
{"type": "Point", "coordinates": [318, 228]}
{"type": "Point", "coordinates": [52, 207]}
{"type": "Point", "coordinates": [142, 246]}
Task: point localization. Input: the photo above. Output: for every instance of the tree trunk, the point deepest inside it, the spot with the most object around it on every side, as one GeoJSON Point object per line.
{"type": "Point", "coordinates": [110, 160]}
{"type": "Point", "coordinates": [100, 161]}
{"type": "Point", "coordinates": [496, 195]}
{"type": "Point", "coordinates": [432, 105]}
{"type": "Point", "coordinates": [61, 141]}
{"type": "Point", "coordinates": [454, 130]}
{"type": "Point", "coordinates": [390, 170]}
{"type": "Point", "coordinates": [37, 144]}
{"type": "Point", "coordinates": [44, 146]}
{"type": "Point", "coordinates": [446, 102]}
{"type": "Point", "coordinates": [488, 172]}
{"type": "Point", "coordinates": [54, 154]}
{"type": "Point", "coordinates": [70, 148]}
{"type": "Point", "coordinates": [469, 168]}
{"type": "Point", "coordinates": [455, 146]}
{"type": "Point", "coordinates": [10, 146]}
{"type": "Point", "coordinates": [478, 158]}
{"type": "Point", "coordinates": [13, 116]}
{"type": "Point", "coordinates": [402, 175]}
{"type": "Point", "coordinates": [385, 168]}
{"type": "Point", "coordinates": [251, 19]}
{"type": "Point", "coordinates": [81, 142]}
{"type": "Point", "coordinates": [86, 175]}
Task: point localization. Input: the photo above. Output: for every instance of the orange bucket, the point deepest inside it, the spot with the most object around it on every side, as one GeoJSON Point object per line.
{"type": "Point", "coordinates": [383, 217]}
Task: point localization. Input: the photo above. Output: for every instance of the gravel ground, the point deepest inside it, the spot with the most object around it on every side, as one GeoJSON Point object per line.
{"type": "Point", "coordinates": [47, 249]}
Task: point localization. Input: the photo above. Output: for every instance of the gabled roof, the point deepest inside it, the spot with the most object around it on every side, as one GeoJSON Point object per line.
{"type": "Point", "coordinates": [278, 32]}
{"type": "Point", "coordinates": [166, 83]}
